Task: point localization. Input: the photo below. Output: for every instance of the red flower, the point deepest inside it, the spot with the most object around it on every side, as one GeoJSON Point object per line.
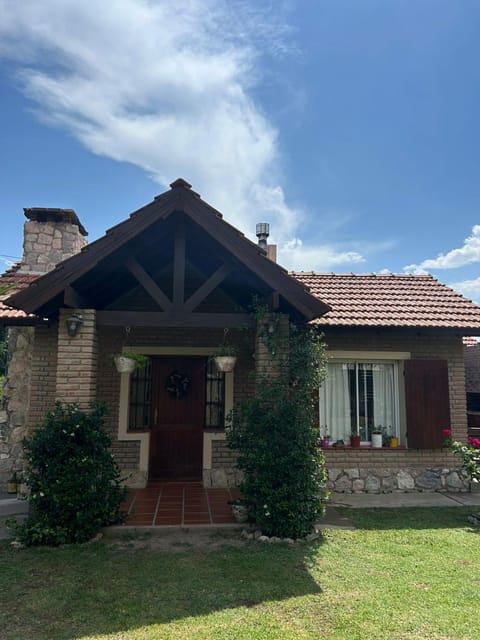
{"type": "Point", "coordinates": [447, 432]}
{"type": "Point", "coordinates": [475, 442]}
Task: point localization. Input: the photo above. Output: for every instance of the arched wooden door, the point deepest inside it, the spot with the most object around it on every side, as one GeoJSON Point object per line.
{"type": "Point", "coordinates": [176, 439]}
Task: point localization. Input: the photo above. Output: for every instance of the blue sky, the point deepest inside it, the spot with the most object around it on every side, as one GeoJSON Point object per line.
{"type": "Point", "coordinates": [352, 127]}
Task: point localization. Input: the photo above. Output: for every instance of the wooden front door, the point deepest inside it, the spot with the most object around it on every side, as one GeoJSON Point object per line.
{"type": "Point", "coordinates": [178, 416]}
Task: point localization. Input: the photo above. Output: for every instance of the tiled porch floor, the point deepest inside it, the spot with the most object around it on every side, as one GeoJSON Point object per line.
{"type": "Point", "coordinates": [178, 503]}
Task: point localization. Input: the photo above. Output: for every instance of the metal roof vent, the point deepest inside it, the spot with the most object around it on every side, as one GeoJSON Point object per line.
{"type": "Point", "coordinates": [262, 232]}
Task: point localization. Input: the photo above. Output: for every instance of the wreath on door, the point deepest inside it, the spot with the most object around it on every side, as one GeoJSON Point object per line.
{"type": "Point", "coordinates": [177, 384]}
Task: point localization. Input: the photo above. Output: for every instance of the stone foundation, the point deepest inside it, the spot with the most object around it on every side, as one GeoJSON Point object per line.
{"type": "Point", "coordinates": [409, 479]}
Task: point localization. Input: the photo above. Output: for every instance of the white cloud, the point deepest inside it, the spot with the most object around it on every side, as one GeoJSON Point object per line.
{"type": "Point", "coordinates": [296, 256]}
{"type": "Point", "coordinates": [468, 253]}
{"type": "Point", "coordinates": [468, 288]}
{"type": "Point", "coordinates": [167, 87]}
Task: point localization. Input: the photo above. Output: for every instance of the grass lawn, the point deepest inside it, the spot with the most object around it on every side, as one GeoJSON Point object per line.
{"type": "Point", "coordinates": [403, 574]}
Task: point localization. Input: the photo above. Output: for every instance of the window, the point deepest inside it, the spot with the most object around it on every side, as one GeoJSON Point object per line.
{"type": "Point", "coordinates": [359, 397]}
{"type": "Point", "coordinates": [215, 397]}
{"type": "Point", "coordinates": [140, 398]}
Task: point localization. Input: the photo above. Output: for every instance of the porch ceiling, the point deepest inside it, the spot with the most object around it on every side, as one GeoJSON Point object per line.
{"type": "Point", "coordinates": [181, 253]}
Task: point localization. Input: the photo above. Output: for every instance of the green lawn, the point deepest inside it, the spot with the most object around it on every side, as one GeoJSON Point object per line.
{"type": "Point", "coordinates": [405, 574]}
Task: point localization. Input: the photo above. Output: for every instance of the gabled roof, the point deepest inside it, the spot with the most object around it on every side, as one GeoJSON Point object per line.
{"type": "Point", "coordinates": [45, 293]}
{"type": "Point", "coordinates": [391, 301]}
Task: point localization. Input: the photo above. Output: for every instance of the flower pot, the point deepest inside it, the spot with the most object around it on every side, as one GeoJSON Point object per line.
{"type": "Point", "coordinates": [240, 513]}
{"type": "Point", "coordinates": [124, 365]}
{"type": "Point", "coordinates": [355, 441]}
{"type": "Point", "coordinates": [393, 442]}
{"type": "Point", "coordinates": [377, 440]}
{"type": "Point", "coordinates": [324, 443]}
{"type": "Point", "coordinates": [225, 364]}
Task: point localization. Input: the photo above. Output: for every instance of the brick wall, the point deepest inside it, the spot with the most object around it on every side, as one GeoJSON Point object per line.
{"type": "Point", "coordinates": [77, 360]}
{"type": "Point", "coordinates": [44, 373]}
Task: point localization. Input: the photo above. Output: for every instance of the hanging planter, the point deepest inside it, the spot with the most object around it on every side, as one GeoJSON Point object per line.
{"type": "Point", "coordinates": [225, 364]}
{"type": "Point", "coordinates": [225, 358]}
{"type": "Point", "coordinates": [128, 362]}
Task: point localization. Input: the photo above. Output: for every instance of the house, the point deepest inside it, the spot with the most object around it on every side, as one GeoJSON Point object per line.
{"type": "Point", "coordinates": [173, 282]}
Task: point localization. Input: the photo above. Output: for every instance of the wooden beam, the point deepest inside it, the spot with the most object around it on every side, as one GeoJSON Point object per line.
{"type": "Point", "coordinates": [274, 300]}
{"type": "Point", "coordinates": [173, 319]}
{"type": "Point", "coordinates": [150, 286]}
{"type": "Point", "coordinates": [72, 298]}
{"type": "Point", "coordinates": [179, 264]}
{"type": "Point", "coordinates": [207, 287]}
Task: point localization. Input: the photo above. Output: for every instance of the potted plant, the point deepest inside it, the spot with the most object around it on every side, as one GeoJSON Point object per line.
{"type": "Point", "coordinates": [354, 439]}
{"type": "Point", "coordinates": [377, 438]}
{"type": "Point", "coordinates": [12, 484]}
{"type": "Point", "coordinates": [240, 509]}
{"type": "Point", "coordinates": [325, 441]}
{"type": "Point", "coordinates": [225, 358]}
{"type": "Point", "coordinates": [127, 361]}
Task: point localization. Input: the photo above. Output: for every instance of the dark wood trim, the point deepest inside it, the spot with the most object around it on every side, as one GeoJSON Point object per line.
{"type": "Point", "coordinates": [274, 300]}
{"type": "Point", "coordinates": [173, 319]}
{"type": "Point", "coordinates": [47, 286]}
{"type": "Point", "coordinates": [72, 298]}
{"type": "Point", "coordinates": [150, 286]}
{"type": "Point", "coordinates": [179, 264]}
{"type": "Point", "coordinates": [207, 287]}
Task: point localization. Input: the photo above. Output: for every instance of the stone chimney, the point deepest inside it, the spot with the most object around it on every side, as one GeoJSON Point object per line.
{"type": "Point", "coordinates": [50, 236]}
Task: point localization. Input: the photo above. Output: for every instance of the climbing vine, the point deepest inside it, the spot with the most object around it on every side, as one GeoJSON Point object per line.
{"type": "Point", "coordinates": [275, 432]}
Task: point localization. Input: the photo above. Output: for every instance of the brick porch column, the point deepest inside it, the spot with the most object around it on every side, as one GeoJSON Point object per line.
{"type": "Point", "coordinates": [266, 363]}
{"type": "Point", "coordinates": [77, 360]}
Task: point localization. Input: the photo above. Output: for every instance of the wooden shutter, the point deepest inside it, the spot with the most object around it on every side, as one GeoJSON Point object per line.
{"type": "Point", "coordinates": [427, 402]}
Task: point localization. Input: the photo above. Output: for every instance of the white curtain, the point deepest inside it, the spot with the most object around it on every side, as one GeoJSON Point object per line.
{"type": "Point", "coordinates": [335, 403]}
{"type": "Point", "coordinates": [384, 396]}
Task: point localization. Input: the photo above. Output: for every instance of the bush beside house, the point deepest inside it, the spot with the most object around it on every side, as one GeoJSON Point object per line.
{"type": "Point", "coordinates": [73, 480]}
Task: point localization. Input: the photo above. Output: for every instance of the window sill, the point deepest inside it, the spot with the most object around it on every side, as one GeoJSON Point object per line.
{"type": "Point", "coordinates": [363, 447]}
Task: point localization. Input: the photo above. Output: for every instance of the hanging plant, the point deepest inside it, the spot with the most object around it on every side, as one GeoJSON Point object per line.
{"type": "Point", "coordinates": [225, 358]}
{"type": "Point", "coordinates": [127, 362]}
{"type": "Point", "coordinates": [177, 384]}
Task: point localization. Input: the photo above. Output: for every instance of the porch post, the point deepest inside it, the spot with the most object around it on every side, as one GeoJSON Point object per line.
{"type": "Point", "coordinates": [271, 344]}
{"type": "Point", "coordinates": [77, 360]}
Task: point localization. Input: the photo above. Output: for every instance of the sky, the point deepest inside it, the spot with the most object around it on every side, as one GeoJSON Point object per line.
{"type": "Point", "coordinates": [351, 126]}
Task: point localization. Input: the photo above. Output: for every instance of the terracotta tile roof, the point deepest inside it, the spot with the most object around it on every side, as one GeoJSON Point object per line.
{"type": "Point", "coordinates": [13, 281]}
{"type": "Point", "coordinates": [390, 301]}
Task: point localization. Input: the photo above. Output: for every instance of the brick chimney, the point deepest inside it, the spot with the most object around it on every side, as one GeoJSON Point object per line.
{"type": "Point", "coordinates": [50, 236]}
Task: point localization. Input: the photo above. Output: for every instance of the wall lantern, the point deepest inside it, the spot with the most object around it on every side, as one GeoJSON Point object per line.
{"type": "Point", "coordinates": [73, 323]}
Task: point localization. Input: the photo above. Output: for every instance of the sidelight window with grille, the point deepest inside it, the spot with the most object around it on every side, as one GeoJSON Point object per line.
{"type": "Point", "coordinates": [140, 398]}
{"type": "Point", "coordinates": [215, 397]}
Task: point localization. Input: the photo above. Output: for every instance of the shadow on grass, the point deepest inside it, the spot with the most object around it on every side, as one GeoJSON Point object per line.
{"type": "Point", "coordinates": [62, 594]}
{"type": "Point", "coordinates": [411, 517]}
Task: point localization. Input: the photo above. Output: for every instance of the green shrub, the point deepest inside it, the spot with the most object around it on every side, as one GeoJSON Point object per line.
{"type": "Point", "coordinates": [73, 479]}
{"type": "Point", "coordinates": [277, 439]}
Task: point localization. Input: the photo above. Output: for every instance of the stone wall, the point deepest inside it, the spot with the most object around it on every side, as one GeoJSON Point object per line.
{"type": "Point", "coordinates": [393, 470]}
{"type": "Point", "coordinates": [16, 400]}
